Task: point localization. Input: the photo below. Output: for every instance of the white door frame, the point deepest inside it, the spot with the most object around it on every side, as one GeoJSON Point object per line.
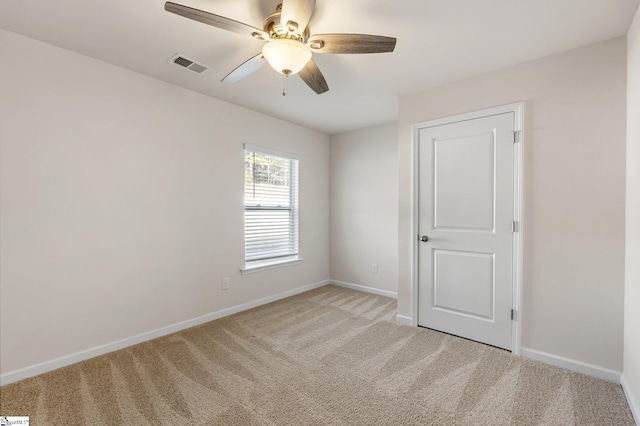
{"type": "Point", "coordinates": [518, 110]}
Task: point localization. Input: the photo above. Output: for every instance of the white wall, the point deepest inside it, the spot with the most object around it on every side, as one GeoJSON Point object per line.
{"type": "Point", "coordinates": [364, 207]}
{"type": "Point", "coordinates": [574, 196]}
{"type": "Point", "coordinates": [121, 203]}
{"type": "Point", "coordinates": [631, 371]}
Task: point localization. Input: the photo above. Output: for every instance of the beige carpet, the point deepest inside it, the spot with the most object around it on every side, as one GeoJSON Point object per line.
{"type": "Point", "coordinates": [330, 356]}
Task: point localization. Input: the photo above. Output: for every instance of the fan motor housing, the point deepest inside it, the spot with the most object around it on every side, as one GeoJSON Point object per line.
{"type": "Point", "coordinates": [275, 29]}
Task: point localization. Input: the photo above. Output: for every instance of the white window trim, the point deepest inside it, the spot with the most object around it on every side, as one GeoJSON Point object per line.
{"type": "Point", "coordinates": [270, 151]}
{"type": "Point", "coordinates": [266, 264]}
{"type": "Point", "coordinates": [278, 262]}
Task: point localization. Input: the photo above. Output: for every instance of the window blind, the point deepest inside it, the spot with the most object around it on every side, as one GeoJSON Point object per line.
{"type": "Point", "coordinates": [270, 203]}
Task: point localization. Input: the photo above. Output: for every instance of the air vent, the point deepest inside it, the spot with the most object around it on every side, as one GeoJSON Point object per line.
{"type": "Point", "coordinates": [184, 62]}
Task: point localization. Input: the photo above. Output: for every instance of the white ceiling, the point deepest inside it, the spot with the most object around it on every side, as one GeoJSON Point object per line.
{"type": "Point", "coordinates": [438, 41]}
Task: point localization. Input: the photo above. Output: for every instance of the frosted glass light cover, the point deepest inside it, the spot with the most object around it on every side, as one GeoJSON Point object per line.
{"type": "Point", "coordinates": [286, 54]}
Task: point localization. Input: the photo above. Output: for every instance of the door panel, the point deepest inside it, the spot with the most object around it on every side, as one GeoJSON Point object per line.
{"type": "Point", "coordinates": [464, 189]}
{"type": "Point", "coordinates": [466, 208]}
{"type": "Point", "coordinates": [463, 282]}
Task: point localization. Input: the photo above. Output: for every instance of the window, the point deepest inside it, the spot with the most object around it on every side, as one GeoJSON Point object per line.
{"type": "Point", "coordinates": [270, 207]}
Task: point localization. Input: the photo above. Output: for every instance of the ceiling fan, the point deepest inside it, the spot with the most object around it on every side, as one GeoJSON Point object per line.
{"type": "Point", "coordinates": [289, 43]}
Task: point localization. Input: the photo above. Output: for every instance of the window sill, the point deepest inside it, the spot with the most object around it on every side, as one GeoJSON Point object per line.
{"type": "Point", "coordinates": [263, 265]}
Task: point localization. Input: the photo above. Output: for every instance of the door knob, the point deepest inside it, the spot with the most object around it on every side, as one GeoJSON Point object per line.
{"type": "Point", "coordinates": [424, 238]}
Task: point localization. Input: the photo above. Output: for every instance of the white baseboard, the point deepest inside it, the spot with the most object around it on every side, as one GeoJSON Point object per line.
{"type": "Point", "coordinates": [34, 370]}
{"type": "Point", "coordinates": [365, 289]}
{"type": "Point", "coordinates": [402, 319]}
{"type": "Point", "coordinates": [635, 409]}
{"type": "Point", "coordinates": [572, 364]}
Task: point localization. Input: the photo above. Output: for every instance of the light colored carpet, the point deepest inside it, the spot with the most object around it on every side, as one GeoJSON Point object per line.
{"type": "Point", "coordinates": [330, 356]}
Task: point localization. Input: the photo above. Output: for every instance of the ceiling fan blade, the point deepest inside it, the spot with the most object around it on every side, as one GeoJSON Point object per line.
{"type": "Point", "coordinates": [298, 12]}
{"type": "Point", "coordinates": [311, 75]}
{"type": "Point", "coordinates": [247, 67]}
{"type": "Point", "coordinates": [351, 43]}
{"type": "Point", "coordinates": [215, 20]}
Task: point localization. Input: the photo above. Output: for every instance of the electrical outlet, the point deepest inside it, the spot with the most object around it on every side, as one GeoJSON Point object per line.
{"type": "Point", "coordinates": [225, 283]}
{"type": "Point", "coordinates": [374, 268]}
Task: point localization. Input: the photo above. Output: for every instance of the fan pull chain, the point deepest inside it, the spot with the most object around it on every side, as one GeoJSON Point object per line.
{"type": "Point", "coordinates": [286, 74]}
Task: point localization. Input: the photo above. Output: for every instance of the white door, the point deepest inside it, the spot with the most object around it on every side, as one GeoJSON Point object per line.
{"type": "Point", "coordinates": [466, 212]}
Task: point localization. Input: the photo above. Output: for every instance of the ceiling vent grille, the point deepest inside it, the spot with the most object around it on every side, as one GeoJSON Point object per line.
{"type": "Point", "coordinates": [184, 62]}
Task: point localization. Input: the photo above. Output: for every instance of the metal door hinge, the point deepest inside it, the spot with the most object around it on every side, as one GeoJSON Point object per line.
{"type": "Point", "coordinates": [515, 226]}
{"type": "Point", "coordinates": [516, 136]}
{"type": "Point", "coordinates": [513, 314]}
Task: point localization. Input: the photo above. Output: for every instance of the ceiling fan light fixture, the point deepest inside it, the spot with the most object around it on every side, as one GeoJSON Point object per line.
{"type": "Point", "coordinates": [286, 56]}
{"type": "Point", "coordinates": [289, 42]}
